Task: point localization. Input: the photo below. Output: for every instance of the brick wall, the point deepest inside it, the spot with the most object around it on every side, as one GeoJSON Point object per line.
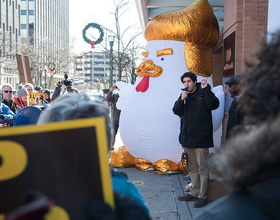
{"type": "Point", "coordinates": [248, 18]}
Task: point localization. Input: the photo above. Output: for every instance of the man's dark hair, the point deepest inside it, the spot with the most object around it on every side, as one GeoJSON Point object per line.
{"type": "Point", "coordinates": [189, 74]}
{"type": "Point", "coordinates": [260, 83]}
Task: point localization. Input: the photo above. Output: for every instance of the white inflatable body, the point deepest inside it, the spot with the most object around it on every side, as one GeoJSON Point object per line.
{"type": "Point", "coordinates": [148, 127]}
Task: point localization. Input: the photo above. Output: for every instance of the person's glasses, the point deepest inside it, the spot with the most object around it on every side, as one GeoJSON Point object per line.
{"type": "Point", "coordinates": [6, 91]}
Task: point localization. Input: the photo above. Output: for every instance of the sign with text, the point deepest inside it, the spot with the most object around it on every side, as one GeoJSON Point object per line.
{"type": "Point", "coordinates": [229, 55]}
{"type": "Point", "coordinates": [32, 97]}
{"type": "Point", "coordinates": [65, 161]}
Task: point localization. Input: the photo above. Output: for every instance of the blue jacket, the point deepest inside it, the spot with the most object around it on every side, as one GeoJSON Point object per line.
{"type": "Point", "coordinates": [9, 116]}
{"type": "Point", "coordinates": [121, 185]}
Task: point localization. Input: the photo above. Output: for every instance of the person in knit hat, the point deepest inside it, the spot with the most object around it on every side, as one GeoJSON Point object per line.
{"type": "Point", "coordinates": [21, 98]}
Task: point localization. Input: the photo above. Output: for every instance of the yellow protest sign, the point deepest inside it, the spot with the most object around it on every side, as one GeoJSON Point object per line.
{"type": "Point", "coordinates": [32, 97]}
{"type": "Point", "coordinates": [65, 161]}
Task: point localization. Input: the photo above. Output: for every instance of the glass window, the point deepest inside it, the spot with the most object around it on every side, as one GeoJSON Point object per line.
{"type": "Point", "coordinates": [31, 12]}
{"type": "Point", "coordinates": [31, 26]}
{"type": "Point", "coordinates": [23, 26]}
{"type": "Point", "coordinates": [23, 12]}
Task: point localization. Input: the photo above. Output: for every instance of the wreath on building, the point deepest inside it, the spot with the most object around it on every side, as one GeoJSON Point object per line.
{"type": "Point", "coordinates": [92, 42]}
{"type": "Point", "coordinates": [52, 67]}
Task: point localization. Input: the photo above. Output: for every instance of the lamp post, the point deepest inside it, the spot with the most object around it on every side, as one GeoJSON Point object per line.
{"type": "Point", "coordinates": [111, 41]}
{"type": "Point", "coordinates": [45, 78]}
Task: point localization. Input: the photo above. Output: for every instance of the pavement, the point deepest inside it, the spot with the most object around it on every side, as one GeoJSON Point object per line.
{"type": "Point", "coordinates": [160, 192]}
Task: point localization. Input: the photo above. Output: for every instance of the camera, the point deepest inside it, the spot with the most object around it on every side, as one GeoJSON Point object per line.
{"type": "Point", "coordinates": [185, 89]}
{"type": "Point", "coordinates": [66, 81]}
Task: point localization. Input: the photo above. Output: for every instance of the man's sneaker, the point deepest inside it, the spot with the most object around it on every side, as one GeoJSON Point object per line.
{"type": "Point", "coordinates": [187, 198]}
{"type": "Point", "coordinates": [200, 203]}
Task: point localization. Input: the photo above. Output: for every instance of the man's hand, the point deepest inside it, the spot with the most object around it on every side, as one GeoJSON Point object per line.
{"type": "Point", "coordinates": [184, 95]}
{"type": "Point", "coordinates": [113, 88]}
{"type": "Point", "coordinates": [203, 83]}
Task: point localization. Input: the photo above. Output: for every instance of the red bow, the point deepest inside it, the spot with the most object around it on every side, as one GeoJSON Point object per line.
{"type": "Point", "coordinates": [51, 71]}
{"type": "Point", "coordinates": [92, 44]}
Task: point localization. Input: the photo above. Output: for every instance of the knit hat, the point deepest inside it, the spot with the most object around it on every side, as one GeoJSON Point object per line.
{"type": "Point", "coordinates": [47, 91]}
{"type": "Point", "coordinates": [38, 88]}
{"type": "Point", "coordinates": [21, 90]}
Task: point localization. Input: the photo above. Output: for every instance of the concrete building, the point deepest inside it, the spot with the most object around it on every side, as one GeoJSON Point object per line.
{"type": "Point", "coordinates": [46, 22]}
{"type": "Point", "coordinates": [92, 70]}
{"type": "Point", "coordinates": [9, 40]}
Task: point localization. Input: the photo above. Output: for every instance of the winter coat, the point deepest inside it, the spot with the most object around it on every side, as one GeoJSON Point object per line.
{"type": "Point", "coordinates": [122, 185]}
{"type": "Point", "coordinates": [9, 116]}
{"type": "Point", "coordinates": [249, 166]}
{"type": "Point", "coordinates": [13, 106]}
{"type": "Point", "coordinates": [197, 127]}
{"type": "Point", "coordinates": [19, 103]}
{"type": "Point", "coordinates": [235, 117]}
{"type": "Point", "coordinates": [113, 98]}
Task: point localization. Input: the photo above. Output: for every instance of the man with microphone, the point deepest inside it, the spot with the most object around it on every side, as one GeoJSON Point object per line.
{"type": "Point", "coordinates": [195, 105]}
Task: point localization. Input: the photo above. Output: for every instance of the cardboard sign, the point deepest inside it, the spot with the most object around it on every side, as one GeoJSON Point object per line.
{"type": "Point", "coordinates": [65, 161]}
{"type": "Point", "coordinates": [32, 97]}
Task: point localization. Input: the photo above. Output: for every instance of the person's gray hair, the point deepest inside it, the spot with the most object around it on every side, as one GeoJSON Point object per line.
{"type": "Point", "coordinates": [7, 85]}
{"type": "Point", "coordinates": [75, 106]}
{"type": "Point", "coordinates": [29, 84]}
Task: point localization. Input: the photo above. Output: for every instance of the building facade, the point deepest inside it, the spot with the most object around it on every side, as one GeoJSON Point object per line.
{"type": "Point", "coordinates": [10, 41]}
{"type": "Point", "coordinates": [92, 71]}
{"type": "Point", "coordinates": [46, 22]}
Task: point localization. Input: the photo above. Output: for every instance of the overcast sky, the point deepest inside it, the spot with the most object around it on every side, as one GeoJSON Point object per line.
{"type": "Point", "coordinates": [83, 12]}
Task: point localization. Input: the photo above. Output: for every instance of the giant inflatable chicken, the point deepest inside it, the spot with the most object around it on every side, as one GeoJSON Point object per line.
{"type": "Point", "coordinates": [177, 42]}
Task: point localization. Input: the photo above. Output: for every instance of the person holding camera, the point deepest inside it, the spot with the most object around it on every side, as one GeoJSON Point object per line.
{"type": "Point", "coordinates": [113, 97]}
{"type": "Point", "coordinates": [68, 87]}
{"type": "Point", "coordinates": [195, 105]}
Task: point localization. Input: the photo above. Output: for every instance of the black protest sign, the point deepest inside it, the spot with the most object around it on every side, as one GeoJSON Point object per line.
{"type": "Point", "coordinates": [65, 161]}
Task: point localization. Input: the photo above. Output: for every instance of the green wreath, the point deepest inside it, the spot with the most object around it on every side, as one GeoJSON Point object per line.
{"type": "Point", "coordinates": [52, 66]}
{"type": "Point", "coordinates": [99, 40]}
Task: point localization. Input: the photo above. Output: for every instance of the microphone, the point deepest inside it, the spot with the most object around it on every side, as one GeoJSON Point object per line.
{"type": "Point", "coordinates": [185, 89]}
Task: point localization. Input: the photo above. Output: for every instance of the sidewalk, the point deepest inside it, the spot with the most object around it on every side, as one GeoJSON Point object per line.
{"type": "Point", "coordinates": [160, 192]}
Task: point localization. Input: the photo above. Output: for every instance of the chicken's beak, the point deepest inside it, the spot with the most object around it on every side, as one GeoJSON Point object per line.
{"type": "Point", "coordinates": [148, 68]}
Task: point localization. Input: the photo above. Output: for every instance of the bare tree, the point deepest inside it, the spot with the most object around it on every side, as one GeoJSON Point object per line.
{"type": "Point", "coordinates": [128, 49]}
{"type": "Point", "coordinates": [42, 57]}
{"type": "Point", "coordinates": [9, 47]}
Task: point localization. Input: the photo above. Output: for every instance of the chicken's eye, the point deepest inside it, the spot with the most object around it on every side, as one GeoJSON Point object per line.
{"type": "Point", "coordinates": [162, 59]}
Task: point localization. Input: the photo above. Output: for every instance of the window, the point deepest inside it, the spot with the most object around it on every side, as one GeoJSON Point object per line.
{"type": "Point", "coordinates": [31, 12]}
{"type": "Point", "coordinates": [99, 69]}
{"type": "Point", "coordinates": [31, 26]}
{"type": "Point", "coordinates": [23, 26]}
{"type": "Point", "coordinates": [23, 12]}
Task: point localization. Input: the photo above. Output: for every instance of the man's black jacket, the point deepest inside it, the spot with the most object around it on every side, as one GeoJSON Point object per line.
{"type": "Point", "coordinates": [197, 127]}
